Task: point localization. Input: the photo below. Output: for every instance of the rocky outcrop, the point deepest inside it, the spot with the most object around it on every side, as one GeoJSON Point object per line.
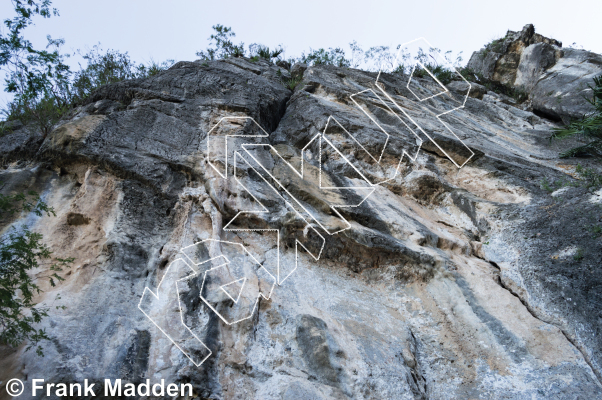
{"type": "Point", "coordinates": [555, 78]}
{"type": "Point", "coordinates": [445, 282]}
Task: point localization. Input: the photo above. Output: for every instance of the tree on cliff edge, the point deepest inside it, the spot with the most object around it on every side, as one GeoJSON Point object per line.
{"type": "Point", "coordinates": [38, 79]}
{"type": "Point", "coordinates": [34, 77]}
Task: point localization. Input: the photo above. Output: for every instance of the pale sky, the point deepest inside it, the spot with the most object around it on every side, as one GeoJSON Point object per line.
{"type": "Point", "coordinates": [176, 29]}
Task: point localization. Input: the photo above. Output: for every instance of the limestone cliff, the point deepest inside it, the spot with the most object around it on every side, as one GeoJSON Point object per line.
{"type": "Point", "coordinates": [444, 282]}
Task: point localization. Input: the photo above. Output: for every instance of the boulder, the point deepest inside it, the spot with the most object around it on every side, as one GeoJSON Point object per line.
{"type": "Point", "coordinates": [562, 90]}
{"type": "Point", "coordinates": [499, 60]}
{"type": "Point", "coordinates": [555, 78]}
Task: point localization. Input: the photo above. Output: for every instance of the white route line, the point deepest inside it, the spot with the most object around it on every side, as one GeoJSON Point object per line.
{"type": "Point", "coordinates": [445, 89]}
{"type": "Point", "coordinates": [269, 295]}
{"type": "Point", "coordinates": [404, 152]}
{"type": "Point", "coordinates": [156, 296]}
{"type": "Point", "coordinates": [381, 128]}
{"type": "Point", "coordinates": [265, 210]}
{"type": "Point", "coordinates": [244, 280]}
{"type": "Point", "coordinates": [450, 66]}
{"type": "Point", "coordinates": [320, 136]}
{"type": "Point", "coordinates": [209, 136]}
{"type": "Point", "coordinates": [334, 208]}
{"type": "Point", "coordinates": [237, 156]}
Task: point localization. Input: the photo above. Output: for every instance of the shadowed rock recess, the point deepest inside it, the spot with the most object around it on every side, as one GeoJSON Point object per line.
{"type": "Point", "coordinates": [449, 284]}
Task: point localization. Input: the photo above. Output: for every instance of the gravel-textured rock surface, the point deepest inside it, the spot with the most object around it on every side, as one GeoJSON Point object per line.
{"type": "Point", "coordinates": [448, 283]}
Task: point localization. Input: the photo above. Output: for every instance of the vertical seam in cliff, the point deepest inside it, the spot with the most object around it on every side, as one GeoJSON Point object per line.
{"type": "Point", "coordinates": [280, 116]}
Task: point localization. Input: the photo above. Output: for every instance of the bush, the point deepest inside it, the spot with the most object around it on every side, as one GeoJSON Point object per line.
{"type": "Point", "coordinates": [587, 177]}
{"type": "Point", "coordinates": [222, 45]}
{"type": "Point", "coordinates": [43, 112]}
{"type": "Point", "coordinates": [373, 59]}
{"type": "Point", "coordinates": [44, 108]}
{"type": "Point", "coordinates": [292, 82]}
{"type": "Point", "coordinates": [261, 51]}
{"type": "Point", "coordinates": [496, 46]}
{"type": "Point", "coordinates": [443, 75]}
{"type": "Point", "coordinates": [21, 251]}
{"type": "Point", "coordinates": [108, 67]}
{"type": "Point", "coordinates": [428, 61]}
{"type": "Point", "coordinates": [321, 56]}
{"type": "Point", "coordinates": [38, 79]}
{"type": "Point", "coordinates": [589, 127]}
{"type": "Point", "coordinates": [590, 177]}
{"type": "Point", "coordinates": [43, 86]}
{"type": "Point", "coordinates": [379, 57]}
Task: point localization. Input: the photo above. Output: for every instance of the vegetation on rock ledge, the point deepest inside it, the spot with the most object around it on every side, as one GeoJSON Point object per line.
{"type": "Point", "coordinates": [589, 127]}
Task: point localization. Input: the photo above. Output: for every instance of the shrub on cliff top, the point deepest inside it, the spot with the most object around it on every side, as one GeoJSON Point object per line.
{"type": "Point", "coordinates": [44, 88]}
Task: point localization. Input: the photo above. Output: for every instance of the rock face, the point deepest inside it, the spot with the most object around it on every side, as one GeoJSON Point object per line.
{"type": "Point", "coordinates": [555, 78]}
{"type": "Point", "coordinates": [444, 282]}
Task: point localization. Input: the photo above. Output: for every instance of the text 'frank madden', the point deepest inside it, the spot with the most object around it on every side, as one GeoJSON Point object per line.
{"type": "Point", "coordinates": [112, 387]}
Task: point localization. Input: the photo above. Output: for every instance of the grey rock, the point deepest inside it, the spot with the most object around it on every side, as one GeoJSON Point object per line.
{"type": "Point", "coordinates": [498, 98]}
{"type": "Point", "coordinates": [483, 62]}
{"type": "Point", "coordinates": [563, 89]}
{"type": "Point", "coordinates": [476, 91]}
{"type": "Point", "coordinates": [297, 70]}
{"type": "Point", "coordinates": [446, 281]}
{"type": "Point", "coordinates": [284, 64]}
{"type": "Point", "coordinates": [12, 125]}
{"type": "Point", "coordinates": [21, 144]}
{"type": "Point", "coordinates": [313, 342]}
{"type": "Point", "coordinates": [296, 391]}
{"type": "Point", "coordinates": [534, 60]}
